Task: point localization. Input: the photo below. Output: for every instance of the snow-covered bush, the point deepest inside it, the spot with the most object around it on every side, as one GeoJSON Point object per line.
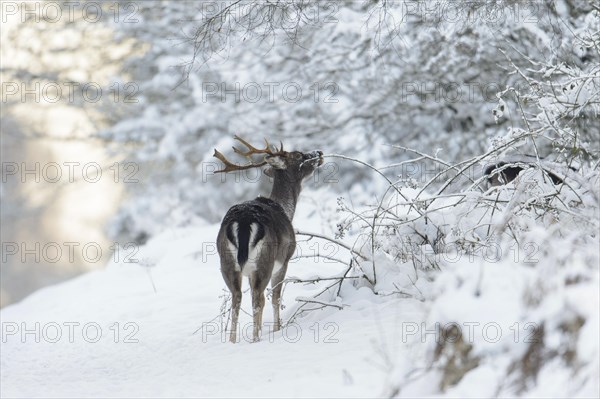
{"type": "Point", "coordinates": [522, 258]}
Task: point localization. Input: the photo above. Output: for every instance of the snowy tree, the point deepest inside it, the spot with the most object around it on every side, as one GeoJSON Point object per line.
{"type": "Point", "coordinates": [425, 75]}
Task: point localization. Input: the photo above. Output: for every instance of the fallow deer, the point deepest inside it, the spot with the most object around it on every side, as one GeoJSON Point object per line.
{"type": "Point", "coordinates": [508, 168]}
{"type": "Point", "coordinates": [256, 238]}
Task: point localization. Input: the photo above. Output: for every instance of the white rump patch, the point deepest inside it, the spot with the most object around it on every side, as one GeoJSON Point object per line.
{"type": "Point", "coordinates": [232, 246]}
{"type": "Point", "coordinates": [233, 251]}
{"type": "Point", "coordinates": [253, 252]}
{"type": "Point", "coordinates": [234, 230]}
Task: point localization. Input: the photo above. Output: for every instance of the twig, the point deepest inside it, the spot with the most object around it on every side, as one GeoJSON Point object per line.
{"type": "Point", "coordinates": [316, 301]}
{"type": "Point", "coordinates": [368, 166]}
{"type": "Point", "coordinates": [333, 241]}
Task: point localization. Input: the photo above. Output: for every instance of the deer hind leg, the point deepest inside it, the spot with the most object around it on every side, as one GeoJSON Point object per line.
{"type": "Point", "coordinates": [234, 283]}
{"type": "Point", "coordinates": [235, 308]}
{"type": "Point", "coordinates": [257, 287]}
{"type": "Point", "coordinates": [277, 285]}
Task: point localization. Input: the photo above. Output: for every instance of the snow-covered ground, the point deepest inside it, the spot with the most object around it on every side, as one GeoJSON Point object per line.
{"type": "Point", "coordinates": [111, 333]}
{"type": "Point", "coordinates": [153, 328]}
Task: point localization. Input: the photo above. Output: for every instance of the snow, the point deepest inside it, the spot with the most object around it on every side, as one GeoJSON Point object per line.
{"type": "Point", "coordinates": [513, 269]}
{"type": "Point", "coordinates": [327, 353]}
{"type": "Point", "coordinates": [154, 328]}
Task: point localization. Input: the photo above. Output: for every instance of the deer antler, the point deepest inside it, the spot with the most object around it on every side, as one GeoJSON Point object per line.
{"type": "Point", "coordinates": [230, 166]}
{"type": "Point", "coordinates": [252, 150]}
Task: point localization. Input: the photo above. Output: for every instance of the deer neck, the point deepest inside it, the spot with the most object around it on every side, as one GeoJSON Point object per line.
{"type": "Point", "coordinates": [286, 190]}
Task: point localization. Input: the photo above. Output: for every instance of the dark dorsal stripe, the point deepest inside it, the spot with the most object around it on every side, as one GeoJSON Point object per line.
{"type": "Point", "coordinates": [244, 230]}
{"type": "Point", "coordinates": [243, 234]}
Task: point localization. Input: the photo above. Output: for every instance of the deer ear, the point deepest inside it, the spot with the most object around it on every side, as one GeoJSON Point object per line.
{"type": "Point", "coordinates": [269, 172]}
{"type": "Point", "coordinates": [276, 162]}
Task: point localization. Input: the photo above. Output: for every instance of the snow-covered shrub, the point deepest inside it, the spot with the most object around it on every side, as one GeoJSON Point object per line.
{"type": "Point", "coordinates": [515, 266]}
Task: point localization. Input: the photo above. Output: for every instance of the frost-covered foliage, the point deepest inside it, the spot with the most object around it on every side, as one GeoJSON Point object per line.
{"type": "Point", "coordinates": [520, 258]}
{"type": "Point", "coordinates": [515, 273]}
{"type": "Point", "coordinates": [348, 77]}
